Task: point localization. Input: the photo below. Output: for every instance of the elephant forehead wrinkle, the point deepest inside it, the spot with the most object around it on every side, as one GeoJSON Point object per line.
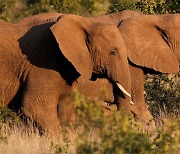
{"type": "Point", "coordinates": [108, 40]}
{"type": "Point", "coordinates": [102, 46]}
{"type": "Point", "coordinates": [105, 30]}
{"type": "Point", "coordinates": [170, 21]}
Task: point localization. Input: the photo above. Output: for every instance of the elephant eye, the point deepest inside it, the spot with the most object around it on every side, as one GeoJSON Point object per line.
{"type": "Point", "coordinates": [113, 53]}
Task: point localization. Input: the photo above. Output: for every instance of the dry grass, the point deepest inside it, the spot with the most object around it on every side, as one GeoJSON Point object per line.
{"type": "Point", "coordinates": [22, 140]}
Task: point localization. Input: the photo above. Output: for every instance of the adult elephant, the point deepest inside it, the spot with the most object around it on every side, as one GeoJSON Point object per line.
{"type": "Point", "coordinates": [43, 56]}
{"type": "Point", "coordinates": [153, 43]}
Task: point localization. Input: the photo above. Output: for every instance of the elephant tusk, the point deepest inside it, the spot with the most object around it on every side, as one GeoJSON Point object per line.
{"type": "Point", "coordinates": [132, 102]}
{"type": "Point", "coordinates": [122, 89]}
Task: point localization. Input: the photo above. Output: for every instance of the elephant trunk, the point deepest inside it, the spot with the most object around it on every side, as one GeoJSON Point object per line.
{"type": "Point", "coordinates": [122, 80]}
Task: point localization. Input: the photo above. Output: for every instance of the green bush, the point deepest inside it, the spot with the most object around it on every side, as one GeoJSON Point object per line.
{"type": "Point", "coordinates": [95, 132]}
{"type": "Point", "coordinates": [115, 133]}
{"type": "Point", "coordinates": [163, 94]}
{"type": "Point", "coordinates": [158, 6]}
{"type": "Point", "coordinates": [119, 5]}
{"type": "Point", "coordinates": [168, 139]}
{"type": "Point", "coordinates": [146, 6]}
{"type": "Point", "coordinates": [6, 116]}
{"type": "Point", "coordinates": [13, 10]}
{"type": "Point", "coordinates": [80, 7]}
{"type": "Point", "coordinates": [6, 9]}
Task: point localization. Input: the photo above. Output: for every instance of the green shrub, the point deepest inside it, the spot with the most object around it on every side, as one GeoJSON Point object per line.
{"type": "Point", "coordinates": [7, 115]}
{"type": "Point", "coordinates": [146, 6]}
{"type": "Point", "coordinates": [163, 94]}
{"type": "Point", "coordinates": [119, 5]}
{"type": "Point", "coordinates": [115, 133]}
{"type": "Point", "coordinates": [95, 132]}
{"type": "Point", "coordinates": [11, 10]}
{"type": "Point", "coordinates": [168, 139]}
{"type": "Point", "coordinates": [158, 6]}
{"type": "Point", "coordinates": [80, 7]}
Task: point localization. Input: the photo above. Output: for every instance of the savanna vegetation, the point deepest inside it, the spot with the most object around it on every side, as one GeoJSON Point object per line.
{"type": "Point", "coordinates": [94, 132]}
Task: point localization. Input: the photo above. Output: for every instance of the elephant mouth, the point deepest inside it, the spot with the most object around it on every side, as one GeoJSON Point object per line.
{"type": "Point", "coordinates": [124, 91]}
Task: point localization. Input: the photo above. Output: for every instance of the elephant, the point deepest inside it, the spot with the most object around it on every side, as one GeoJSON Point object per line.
{"type": "Point", "coordinates": [44, 56]}
{"type": "Point", "coordinates": [153, 44]}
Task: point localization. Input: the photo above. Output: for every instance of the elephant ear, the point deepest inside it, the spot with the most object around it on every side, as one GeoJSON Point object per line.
{"type": "Point", "coordinates": [147, 45]}
{"type": "Point", "coordinates": [72, 32]}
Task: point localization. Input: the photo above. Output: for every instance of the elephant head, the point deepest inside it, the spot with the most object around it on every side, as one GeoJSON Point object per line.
{"type": "Point", "coordinates": [153, 41]}
{"type": "Point", "coordinates": [93, 47]}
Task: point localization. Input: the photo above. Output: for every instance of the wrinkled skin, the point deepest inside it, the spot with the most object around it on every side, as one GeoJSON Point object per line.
{"type": "Point", "coordinates": [153, 43]}
{"type": "Point", "coordinates": [45, 56]}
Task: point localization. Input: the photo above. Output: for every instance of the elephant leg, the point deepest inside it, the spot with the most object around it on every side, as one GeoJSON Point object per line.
{"type": "Point", "coordinates": [42, 111]}
{"type": "Point", "coordinates": [39, 102]}
{"type": "Point", "coordinates": [66, 109]}
{"type": "Point", "coordinates": [9, 84]}
{"type": "Point", "coordinates": [139, 108]}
